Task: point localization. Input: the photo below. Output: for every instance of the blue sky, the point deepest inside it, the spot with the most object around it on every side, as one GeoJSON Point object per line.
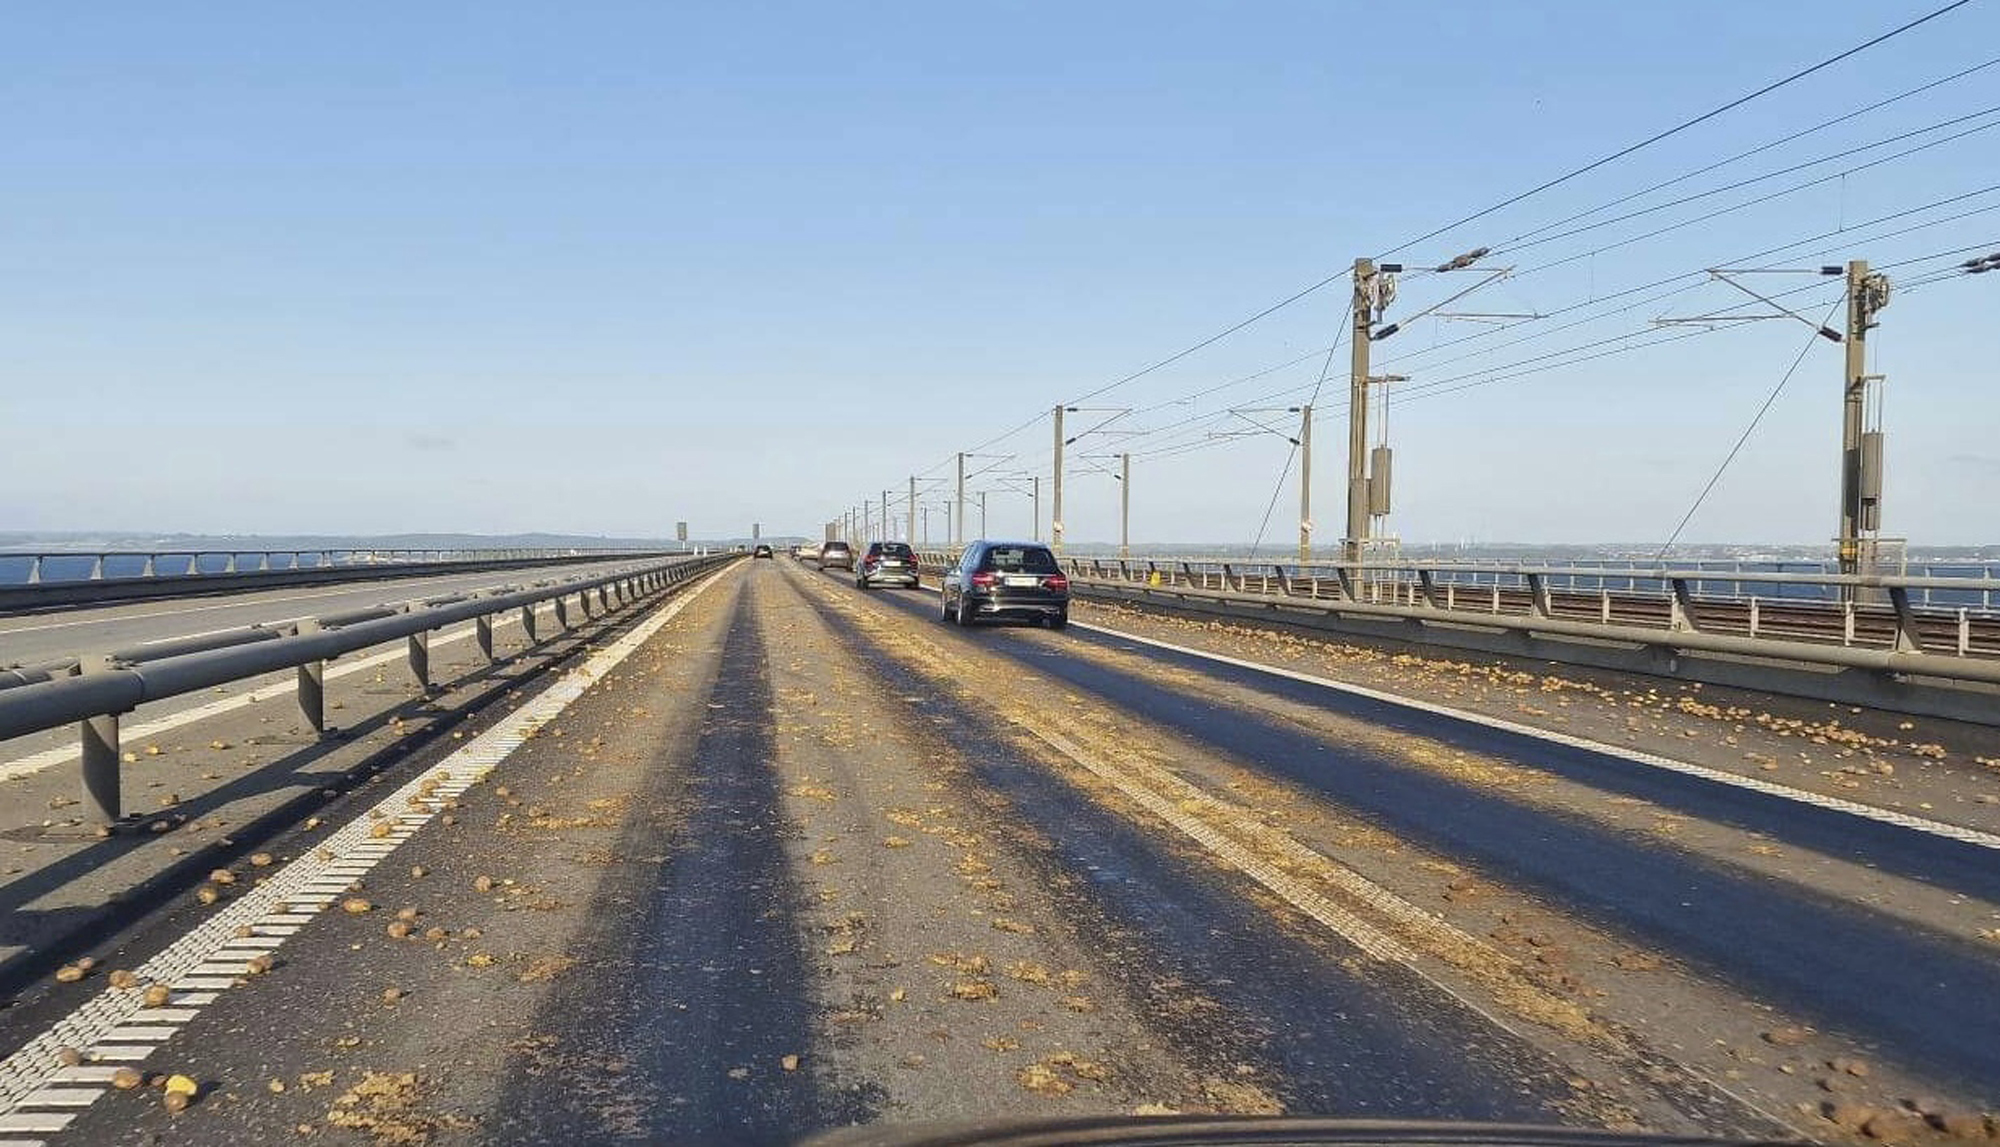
{"type": "Point", "coordinates": [595, 268]}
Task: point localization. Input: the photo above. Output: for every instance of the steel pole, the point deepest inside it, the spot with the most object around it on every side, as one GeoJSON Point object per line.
{"type": "Point", "coordinates": [1124, 507]}
{"type": "Point", "coordinates": [958, 519]}
{"type": "Point", "coordinates": [1357, 413]}
{"type": "Point", "coordinates": [1036, 486]}
{"type": "Point", "coordinates": [1305, 483]}
{"type": "Point", "coordinates": [1055, 505]}
{"type": "Point", "coordinates": [1852, 413]}
{"type": "Point", "coordinates": [911, 528]}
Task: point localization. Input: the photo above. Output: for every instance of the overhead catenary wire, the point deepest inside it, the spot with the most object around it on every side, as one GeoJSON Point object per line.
{"type": "Point", "coordinates": [1698, 275]}
{"type": "Point", "coordinates": [1546, 185]}
{"type": "Point", "coordinates": [1745, 182]}
{"type": "Point", "coordinates": [1755, 151]}
{"type": "Point", "coordinates": [1676, 129]}
{"type": "Point", "coordinates": [1744, 437]}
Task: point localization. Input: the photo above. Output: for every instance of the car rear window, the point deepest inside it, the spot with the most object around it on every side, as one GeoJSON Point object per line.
{"type": "Point", "coordinates": [1021, 559]}
{"type": "Point", "coordinates": [893, 549]}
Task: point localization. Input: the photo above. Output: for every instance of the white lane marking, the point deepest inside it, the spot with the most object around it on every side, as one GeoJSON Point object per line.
{"type": "Point", "coordinates": [169, 612]}
{"type": "Point", "coordinates": [1335, 918]}
{"type": "Point", "coordinates": [1350, 927]}
{"type": "Point", "coordinates": [63, 1097]}
{"type": "Point", "coordinates": [1958, 833]}
{"type": "Point", "coordinates": [1924, 825]}
{"type": "Point", "coordinates": [63, 754]}
{"type": "Point", "coordinates": [109, 1025]}
{"type": "Point", "coordinates": [279, 623]}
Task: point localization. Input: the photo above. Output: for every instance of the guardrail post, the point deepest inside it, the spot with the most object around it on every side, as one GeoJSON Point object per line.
{"type": "Point", "coordinates": [1284, 581]}
{"type": "Point", "coordinates": [1229, 581]}
{"type": "Point", "coordinates": [603, 606]}
{"type": "Point", "coordinates": [1345, 577]}
{"type": "Point", "coordinates": [98, 739]}
{"type": "Point", "coordinates": [97, 568]}
{"type": "Point", "coordinates": [528, 623]}
{"type": "Point", "coordinates": [1847, 622]}
{"type": "Point", "coordinates": [35, 570]}
{"type": "Point", "coordinates": [1680, 608]}
{"type": "Point", "coordinates": [1427, 585]}
{"type": "Point", "coordinates": [1964, 632]}
{"type": "Point", "coordinates": [312, 684]}
{"type": "Point", "coordinates": [1187, 571]}
{"type": "Point", "coordinates": [482, 632]}
{"type": "Point", "coordinates": [1450, 595]}
{"type": "Point", "coordinates": [148, 570]}
{"type": "Point", "coordinates": [229, 564]}
{"type": "Point", "coordinates": [1538, 594]}
{"type": "Point", "coordinates": [562, 614]}
{"type": "Point", "coordinates": [1755, 613]}
{"type": "Point", "coordinates": [1908, 638]}
{"type": "Point", "coordinates": [419, 654]}
{"type": "Point", "coordinates": [1604, 607]}
{"type": "Point", "coordinates": [194, 564]}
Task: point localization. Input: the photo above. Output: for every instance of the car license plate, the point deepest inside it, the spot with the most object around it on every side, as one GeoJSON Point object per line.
{"type": "Point", "coordinates": [893, 564]}
{"type": "Point", "coordinates": [1023, 580]}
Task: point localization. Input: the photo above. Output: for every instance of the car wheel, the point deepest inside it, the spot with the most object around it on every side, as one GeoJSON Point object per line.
{"type": "Point", "coordinates": [1059, 620]}
{"type": "Point", "coordinates": [964, 610]}
{"type": "Point", "coordinates": [944, 607]}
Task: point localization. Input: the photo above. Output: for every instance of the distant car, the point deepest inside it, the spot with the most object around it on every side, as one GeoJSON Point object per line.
{"type": "Point", "coordinates": [836, 556]}
{"type": "Point", "coordinates": [1006, 580]}
{"type": "Point", "coordinates": [887, 563]}
{"type": "Point", "coordinates": [761, 552]}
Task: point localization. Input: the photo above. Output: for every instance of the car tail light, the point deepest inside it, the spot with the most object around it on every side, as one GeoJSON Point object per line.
{"type": "Point", "coordinates": [1056, 582]}
{"type": "Point", "coordinates": [985, 578]}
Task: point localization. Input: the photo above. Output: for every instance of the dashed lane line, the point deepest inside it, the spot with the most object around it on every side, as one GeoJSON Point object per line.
{"type": "Point", "coordinates": [115, 1026]}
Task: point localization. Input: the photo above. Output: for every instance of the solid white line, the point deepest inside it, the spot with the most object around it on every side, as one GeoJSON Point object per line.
{"type": "Point", "coordinates": [1924, 825]}
{"type": "Point", "coordinates": [1958, 833]}
{"type": "Point", "coordinates": [210, 955]}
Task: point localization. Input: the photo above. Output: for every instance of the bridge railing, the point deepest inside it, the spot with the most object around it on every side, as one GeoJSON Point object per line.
{"type": "Point", "coordinates": [1846, 610]}
{"type": "Point", "coordinates": [92, 690]}
{"type": "Point", "coordinates": [55, 578]}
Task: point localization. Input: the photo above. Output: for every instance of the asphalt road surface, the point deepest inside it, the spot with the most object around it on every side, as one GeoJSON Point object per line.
{"type": "Point", "coordinates": [788, 856]}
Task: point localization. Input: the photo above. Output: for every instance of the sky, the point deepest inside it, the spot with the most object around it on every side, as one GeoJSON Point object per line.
{"type": "Point", "coordinates": [599, 267]}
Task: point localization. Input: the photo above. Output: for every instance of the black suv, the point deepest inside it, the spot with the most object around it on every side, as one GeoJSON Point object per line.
{"type": "Point", "coordinates": [1006, 579]}
{"type": "Point", "coordinates": [893, 563]}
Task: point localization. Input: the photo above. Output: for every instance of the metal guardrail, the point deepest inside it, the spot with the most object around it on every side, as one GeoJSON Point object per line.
{"type": "Point", "coordinates": [55, 580]}
{"type": "Point", "coordinates": [1677, 615]}
{"type": "Point", "coordinates": [1711, 579]}
{"type": "Point", "coordinates": [92, 690]}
